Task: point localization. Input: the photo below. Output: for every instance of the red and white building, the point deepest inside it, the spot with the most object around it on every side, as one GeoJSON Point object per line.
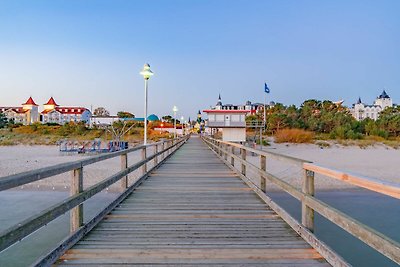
{"type": "Point", "coordinates": [54, 113]}
{"type": "Point", "coordinates": [28, 113]}
{"type": "Point", "coordinates": [229, 119]}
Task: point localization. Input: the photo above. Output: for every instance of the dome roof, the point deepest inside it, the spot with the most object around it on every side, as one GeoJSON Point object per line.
{"type": "Point", "coordinates": [153, 117]}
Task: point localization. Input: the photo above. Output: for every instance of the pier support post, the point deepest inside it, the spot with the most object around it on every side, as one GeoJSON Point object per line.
{"type": "Point", "coordinates": [243, 153]}
{"type": "Point", "coordinates": [144, 156]}
{"type": "Point", "coordinates": [307, 214]}
{"type": "Point", "coordinates": [263, 166]}
{"type": "Point", "coordinates": [124, 165]}
{"type": "Point", "coordinates": [76, 215]}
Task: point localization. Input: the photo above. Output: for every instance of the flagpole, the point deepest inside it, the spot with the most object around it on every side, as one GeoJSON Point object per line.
{"type": "Point", "coordinates": [265, 111]}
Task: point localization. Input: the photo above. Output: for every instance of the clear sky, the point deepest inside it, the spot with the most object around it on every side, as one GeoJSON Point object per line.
{"type": "Point", "coordinates": [90, 52]}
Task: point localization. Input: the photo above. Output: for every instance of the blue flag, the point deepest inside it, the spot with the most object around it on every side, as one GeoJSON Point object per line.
{"type": "Point", "coordinates": [266, 88]}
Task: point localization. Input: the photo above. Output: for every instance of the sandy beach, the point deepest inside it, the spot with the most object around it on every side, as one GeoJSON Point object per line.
{"type": "Point", "coordinates": [16, 159]}
{"type": "Point", "coordinates": [379, 162]}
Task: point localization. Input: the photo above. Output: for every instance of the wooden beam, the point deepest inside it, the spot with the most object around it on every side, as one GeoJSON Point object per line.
{"type": "Point", "coordinates": [383, 187]}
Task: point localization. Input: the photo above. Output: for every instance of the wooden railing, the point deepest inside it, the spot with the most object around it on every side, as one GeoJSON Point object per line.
{"type": "Point", "coordinates": [378, 241]}
{"type": "Point", "coordinates": [78, 195]}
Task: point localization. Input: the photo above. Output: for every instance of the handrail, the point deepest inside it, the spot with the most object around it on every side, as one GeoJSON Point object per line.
{"type": "Point", "coordinates": [15, 180]}
{"type": "Point", "coordinates": [78, 196]}
{"type": "Point", "coordinates": [378, 241]}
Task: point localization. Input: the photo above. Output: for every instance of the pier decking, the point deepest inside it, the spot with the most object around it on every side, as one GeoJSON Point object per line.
{"type": "Point", "coordinates": [192, 210]}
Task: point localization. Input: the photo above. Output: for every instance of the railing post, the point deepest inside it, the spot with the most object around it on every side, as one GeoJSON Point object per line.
{"type": "Point", "coordinates": [263, 166]}
{"type": "Point", "coordinates": [124, 165]}
{"type": "Point", "coordinates": [243, 152]}
{"type": "Point", "coordinates": [156, 157]}
{"type": "Point", "coordinates": [163, 147]}
{"type": "Point", "coordinates": [307, 214]}
{"type": "Point", "coordinates": [144, 156]}
{"type": "Point", "coordinates": [76, 216]}
{"type": "Point", "coordinates": [232, 158]}
{"type": "Point", "coordinates": [225, 152]}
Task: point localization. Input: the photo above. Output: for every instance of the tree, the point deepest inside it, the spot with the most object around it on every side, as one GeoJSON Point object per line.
{"type": "Point", "coordinates": [100, 111]}
{"type": "Point", "coordinates": [125, 114]}
{"type": "Point", "coordinates": [3, 120]}
{"type": "Point", "coordinates": [168, 118]}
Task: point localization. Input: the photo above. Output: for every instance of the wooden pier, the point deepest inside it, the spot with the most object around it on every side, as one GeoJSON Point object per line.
{"type": "Point", "coordinates": [193, 210]}
{"type": "Point", "coordinates": [197, 205]}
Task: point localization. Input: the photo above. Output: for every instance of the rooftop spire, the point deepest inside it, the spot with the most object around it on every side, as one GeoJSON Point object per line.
{"type": "Point", "coordinates": [359, 100]}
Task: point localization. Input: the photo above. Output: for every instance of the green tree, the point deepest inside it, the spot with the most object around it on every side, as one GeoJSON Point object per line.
{"type": "Point", "coordinates": [3, 120]}
{"type": "Point", "coordinates": [125, 114]}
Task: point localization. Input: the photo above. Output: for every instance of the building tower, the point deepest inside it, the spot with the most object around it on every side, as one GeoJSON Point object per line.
{"type": "Point", "coordinates": [32, 111]}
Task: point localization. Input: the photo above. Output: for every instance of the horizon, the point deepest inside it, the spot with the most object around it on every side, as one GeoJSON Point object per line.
{"type": "Point", "coordinates": [91, 53]}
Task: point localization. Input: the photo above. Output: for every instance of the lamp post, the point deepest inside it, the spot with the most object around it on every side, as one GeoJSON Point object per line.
{"type": "Point", "coordinates": [175, 109]}
{"type": "Point", "coordinates": [146, 73]}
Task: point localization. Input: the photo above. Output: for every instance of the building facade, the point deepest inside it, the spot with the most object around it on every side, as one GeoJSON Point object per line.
{"type": "Point", "coordinates": [53, 113]}
{"type": "Point", "coordinates": [26, 114]}
{"type": "Point", "coordinates": [361, 111]}
{"type": "Point", "coordinates": [251, 108]}
{"type": "Point", "coordinates": [29, 113]}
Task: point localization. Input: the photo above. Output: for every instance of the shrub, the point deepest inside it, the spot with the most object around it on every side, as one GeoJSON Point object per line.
{"type": "Point", "coordinates": [294, 136]}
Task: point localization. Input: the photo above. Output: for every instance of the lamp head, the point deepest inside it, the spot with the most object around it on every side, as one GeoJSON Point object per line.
{"type": "Point", "coordinates": [146, 72]}
{"type": "Point", "coordinates": [175, 109]}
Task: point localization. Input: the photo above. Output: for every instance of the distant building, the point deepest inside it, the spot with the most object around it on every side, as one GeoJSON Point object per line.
{"type": "Point", "coordinates": [26, 114]}
{"type": "Point", "coordinates": [230, 119]}
{"type": "Point", "coordinates": [361, 111]}
{"type": "Point", "coordinates": [53, 113]}
{"type": "Point", "coordinates": [252, 108]}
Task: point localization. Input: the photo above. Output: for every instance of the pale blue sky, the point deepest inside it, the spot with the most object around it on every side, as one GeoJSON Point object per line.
{"type": "Point", "coordinates": [90, 52]}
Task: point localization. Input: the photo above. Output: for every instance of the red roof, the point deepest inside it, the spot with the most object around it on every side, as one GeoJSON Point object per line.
{"type": "Point", "coordinates": [51, 102]}
{"type": "Point", "coordinates": [66, 110]}
{"type": "Point", "coordinates": [226, 111]}
{"type": "Point", "coordinates": [71, 110]}
{"type": "Point", "coordinates": [15, 109]}
{"type": "Point", "coordinates": [30, 102]}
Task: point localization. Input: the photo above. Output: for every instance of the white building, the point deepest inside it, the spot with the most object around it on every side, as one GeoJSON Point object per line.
{"type": "Point", "coordinates": [251, 108]}
{"type": "Point", "coordinates": [230, 119]}
{"type": "Point", "coordinates": [27, 114]}
{"type": "Point", "coordinates": [361, 111]}
{"type": "Point", "coordinates": [53, 113]}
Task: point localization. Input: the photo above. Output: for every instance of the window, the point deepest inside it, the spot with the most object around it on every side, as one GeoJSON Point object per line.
{"type": "Point", "coordinates": [219, 117]}
{"type": "Point", "coordinates": [235, 117]}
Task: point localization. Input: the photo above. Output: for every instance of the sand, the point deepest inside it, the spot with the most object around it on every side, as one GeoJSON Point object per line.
{"type": "Point", "coordinates": [379, 162]}
{"type": "Point", "coordinates": [16, 159]}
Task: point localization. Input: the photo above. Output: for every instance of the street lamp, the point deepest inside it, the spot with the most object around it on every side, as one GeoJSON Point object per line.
{"type": "Point", "coordinates": [146, 73]}
{"type": "Point", "coordinates": [175, 109]}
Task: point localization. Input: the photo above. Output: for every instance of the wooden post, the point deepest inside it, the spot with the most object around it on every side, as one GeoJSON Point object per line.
{"type": "Point", "coordinates": [156, 157]}
{"type": "Point", "coordinates": [76, 215]}
{"type": "Point", "coordinates": [144, 156]}
{"type": "Point", "coordinates": [243, 152]}
{"type": "Point", "coordinates": [232, 158]}
{"type": "Point", "coordinates": [163, 147]}
{"type": "Point", "coordinates": [124, 165]}
{"type": "Point", "coordinates": [307, 214]}
{"type": "Point", "coordinates": [263, 166]}
{"type": "Point", "coordinates": [226, 153]}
